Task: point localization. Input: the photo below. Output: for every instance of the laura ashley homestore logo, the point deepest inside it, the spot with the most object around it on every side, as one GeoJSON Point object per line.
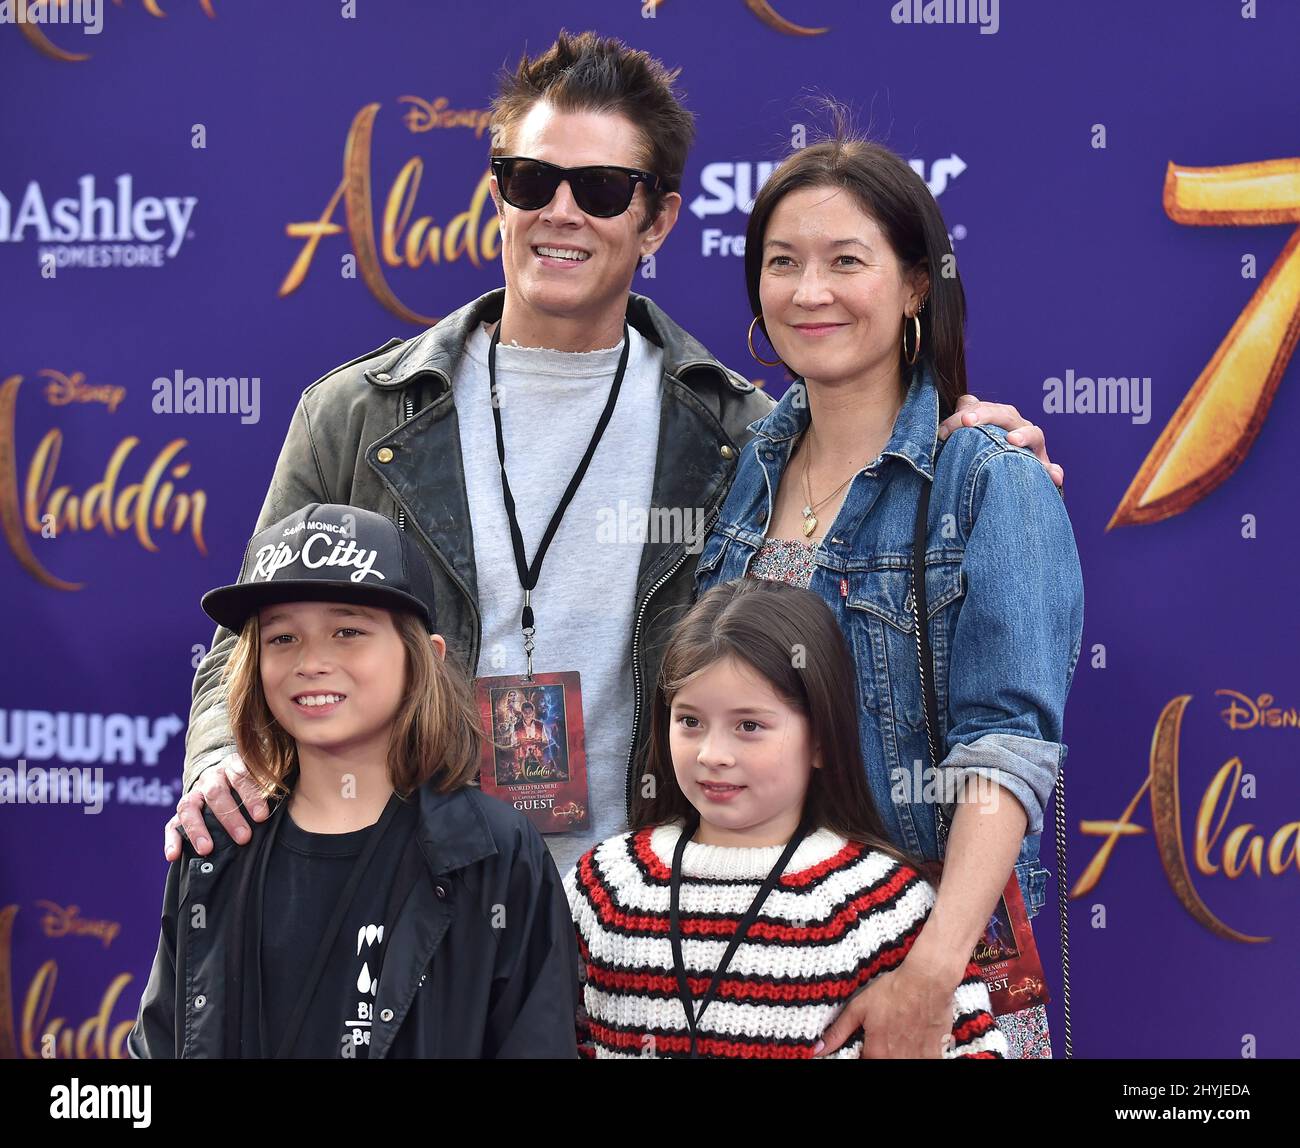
{"type": "Point", "coordinates": [92, 230]}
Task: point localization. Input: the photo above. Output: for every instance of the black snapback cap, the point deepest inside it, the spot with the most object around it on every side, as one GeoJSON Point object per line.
{"type": "Point", "coordinates": [328, 552]}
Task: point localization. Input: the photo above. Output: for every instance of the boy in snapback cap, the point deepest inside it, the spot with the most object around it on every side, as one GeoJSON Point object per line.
{"type": "Point", "coordinates": [328, 552]}
{"type": "Point", "coordinates": [370, 878]}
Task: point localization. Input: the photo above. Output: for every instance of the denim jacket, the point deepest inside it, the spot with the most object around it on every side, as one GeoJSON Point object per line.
{"type": "Point", "coordinates": [1005, 605]}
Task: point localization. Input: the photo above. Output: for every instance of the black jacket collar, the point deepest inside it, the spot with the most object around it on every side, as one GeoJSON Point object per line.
{"type": "Point", "coordinates": [438, 349]}
{"type": "Point", "coordinates": [452, 831]}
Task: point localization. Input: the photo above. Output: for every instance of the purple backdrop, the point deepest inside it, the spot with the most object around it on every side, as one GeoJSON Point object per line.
{"type": "Point", "coordinates": [1046, 136]}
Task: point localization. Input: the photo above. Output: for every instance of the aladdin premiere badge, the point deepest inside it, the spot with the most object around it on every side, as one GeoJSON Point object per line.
{"type": "Point", "coordinates": [1008, 957]}
{"type": "Point", "coordinates": [535, 757]}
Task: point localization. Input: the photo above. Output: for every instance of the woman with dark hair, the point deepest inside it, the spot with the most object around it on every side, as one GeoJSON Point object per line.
{"type": "Point", "coordinates": [852, 280]}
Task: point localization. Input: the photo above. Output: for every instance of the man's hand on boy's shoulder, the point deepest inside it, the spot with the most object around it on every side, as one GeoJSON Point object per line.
{"type": "Point", "coordinates": [216, 789]}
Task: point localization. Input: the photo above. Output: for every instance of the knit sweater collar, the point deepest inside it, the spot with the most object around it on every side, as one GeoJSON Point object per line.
{"type": "Point", "coordinates": [599, 363]}
{"type": "Point", "coordinates": [732, 862]}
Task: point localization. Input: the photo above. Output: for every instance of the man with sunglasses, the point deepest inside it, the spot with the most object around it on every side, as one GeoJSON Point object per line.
{"type": "Point", "coordinates": [511, 435]}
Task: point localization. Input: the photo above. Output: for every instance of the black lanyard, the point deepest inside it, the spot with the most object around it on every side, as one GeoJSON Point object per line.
{"type": "Point", "coordinates": [326, 946]}
{"type": "Point", "coordinates": [751, 915]}
{"type": "Point", "coordinates": [529, 573]}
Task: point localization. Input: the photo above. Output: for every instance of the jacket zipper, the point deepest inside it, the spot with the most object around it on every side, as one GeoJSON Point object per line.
{"type": "Point", "coordinates": [408, 412]}
{"type": "Point", "coordinates": [636, 664]}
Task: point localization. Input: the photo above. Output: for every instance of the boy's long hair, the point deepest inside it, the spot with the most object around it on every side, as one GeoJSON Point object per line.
{"type": "Point", "coordinates": [436, 733]}
{"type": "Point", "coordinates": [790, 637]}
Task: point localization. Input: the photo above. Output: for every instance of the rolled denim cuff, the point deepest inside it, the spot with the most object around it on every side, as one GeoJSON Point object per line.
{"type": "Point", "coordinates": [1024, 766]}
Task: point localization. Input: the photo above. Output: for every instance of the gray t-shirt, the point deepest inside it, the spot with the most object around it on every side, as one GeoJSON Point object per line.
{"type": "Point", "coordinates": [550, 402]}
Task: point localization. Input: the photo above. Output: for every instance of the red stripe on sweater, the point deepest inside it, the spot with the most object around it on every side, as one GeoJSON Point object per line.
{"type": "Point", "coordinates": [841, 860]}
{"type": "Point", "coordinates": [827, 988]}
{"type": "Point", "coordinates": [660, 872]}
{"type": "Point", "coordinates": [705, 1046]}
{"type": "Point", "coordinates": [708, 1046]}
{"type": "Point", "coordinates": [657, 923]}
{"type": "Point", "coordinates": [974, 1028]}
{"type": "Point", "coordinates": [604, 904]}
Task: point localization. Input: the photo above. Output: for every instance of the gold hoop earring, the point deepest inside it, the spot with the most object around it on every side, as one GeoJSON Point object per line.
{"type": "Point", "coordinates": [750, 341]}
{"type": "Point", "coordinates": [916, 320]}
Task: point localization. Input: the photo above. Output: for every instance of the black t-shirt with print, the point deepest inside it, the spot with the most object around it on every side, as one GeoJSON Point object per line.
{"type": "Point", "coordinates": [305, 877]}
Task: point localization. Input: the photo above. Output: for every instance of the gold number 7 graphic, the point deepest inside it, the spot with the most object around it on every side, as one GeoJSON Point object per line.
{"type": "Point", "coordinates": [1216, 424]}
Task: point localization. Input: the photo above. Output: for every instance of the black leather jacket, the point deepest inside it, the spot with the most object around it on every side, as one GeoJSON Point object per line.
{"type": "Point", "coordinates": [381, 432]}
{"type": "Point", "coordinates": [481, 960]}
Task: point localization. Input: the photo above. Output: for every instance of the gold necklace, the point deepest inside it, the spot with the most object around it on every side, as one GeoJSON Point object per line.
{"type": "Point", "coordinates": [810, 508]}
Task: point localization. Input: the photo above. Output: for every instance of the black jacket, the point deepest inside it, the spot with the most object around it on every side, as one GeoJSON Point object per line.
{"type": "Point", "coordinates": [381, 432]}
{"type": "Point", "coordinates": [481, 961]}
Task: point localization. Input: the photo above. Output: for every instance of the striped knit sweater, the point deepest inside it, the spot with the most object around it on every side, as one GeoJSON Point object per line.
{"type": "Point", "coordinates": [840, 915]}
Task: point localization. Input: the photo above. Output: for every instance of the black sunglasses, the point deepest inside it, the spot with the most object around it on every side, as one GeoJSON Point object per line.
{"type": "Point", "coordinates": [603, 191]}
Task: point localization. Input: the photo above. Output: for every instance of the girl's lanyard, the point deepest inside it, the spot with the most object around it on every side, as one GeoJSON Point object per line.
{"type": "Point", "coordinates": [326, 946]}
{"type": "Point", "coordinates": [530, 572]}
{"type": "Point", "coordinates": [751, 915]}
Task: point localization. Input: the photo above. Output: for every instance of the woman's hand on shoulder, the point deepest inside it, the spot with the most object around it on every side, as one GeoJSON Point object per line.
{"type": "Point", "coordinates": [1021, 432]}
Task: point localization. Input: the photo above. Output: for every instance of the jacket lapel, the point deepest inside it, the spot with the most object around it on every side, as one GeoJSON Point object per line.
{"type": "Point", "coordinates": [426, 471]}
{"type": "Point", "coordinates": [420, 926]}
{"type": "Point", "coordinates": [691, 476]}
{"type": "Point", "coordinates": [426, 476]}
{"type": "Point", "coordinates": [452, 834]}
